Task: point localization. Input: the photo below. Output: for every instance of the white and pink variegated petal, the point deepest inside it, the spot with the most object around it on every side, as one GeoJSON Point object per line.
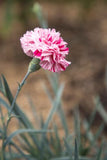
{"type": "Point", "coordinates": [29, 53]}
{"type": "Point", "coordinates": [49, 59]}
{"type": "Point", "coordinates": [55, 57]}
{"type": "Point", "coordinates": [45, 65]}
{"type": "Point", "coordinates": [56, 67]}
{"type": "Point", "coordinates": [59, 67]}
{"type": "Point", "coordinates": [45, 58]}
{"type": "Point", "coordinates": [46, 53]}
{"type": "Point", "coordinates": [27, 50]}
{"type": "Point", "coordinates": [27, 43]}
{"type": "Point", "coordinates": [63, 42]}
{"type": "Point", "coordinates": [64, 62]}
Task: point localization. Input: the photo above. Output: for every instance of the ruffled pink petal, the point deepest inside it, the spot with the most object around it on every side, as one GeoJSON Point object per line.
{"type": "Point", "coordinates": [27, 43]}
{"type": "Point", "coordinates": [54, 66]}
{"type": "Point", "coordinates": [37, 53]}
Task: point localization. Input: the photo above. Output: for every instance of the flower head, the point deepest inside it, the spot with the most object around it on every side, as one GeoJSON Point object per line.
{"type": "Point", "coordinates": [48, 46]}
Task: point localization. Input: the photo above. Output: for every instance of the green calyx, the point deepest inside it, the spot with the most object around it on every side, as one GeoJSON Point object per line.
{"type": "Point", "coordinates": [34, 65]}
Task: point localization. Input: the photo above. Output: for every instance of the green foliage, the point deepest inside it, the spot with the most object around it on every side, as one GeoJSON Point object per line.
{"type": "Point", "coordinates": [47, 144]}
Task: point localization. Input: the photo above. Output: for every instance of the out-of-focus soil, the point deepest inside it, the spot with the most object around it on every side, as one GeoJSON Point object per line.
{"type": "Point", "coordinates": [86, 34]}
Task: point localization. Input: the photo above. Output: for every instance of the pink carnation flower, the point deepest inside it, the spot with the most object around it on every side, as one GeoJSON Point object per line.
{"type": "Point", "coordinates": [48, 46]}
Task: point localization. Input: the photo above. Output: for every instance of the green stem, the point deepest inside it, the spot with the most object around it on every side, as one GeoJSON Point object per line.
{"type": "Point", "coordinates": [17, 93]}
{"type": "Point", "coordinates": [33, 66]}
{"type": "Point", "coordinates": [13, 104]}
{"type": "Point", "coordinates": [2, 153]}
{"type": "Point", "coordinates": [2, 149]}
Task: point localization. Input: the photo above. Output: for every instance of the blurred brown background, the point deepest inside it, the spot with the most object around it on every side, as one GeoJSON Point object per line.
{"type": "Point", "coordinates": [83, 24]}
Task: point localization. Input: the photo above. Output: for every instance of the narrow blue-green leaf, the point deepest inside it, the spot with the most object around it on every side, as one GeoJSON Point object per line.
{"type": "Point", "coordinates": [2, 121]}
{"type": "Point", "coordinates": [68, 158]}
{"type": "Point", "coordinates": [58, 141]}
{"type": "Point", "coordinates": [98, 133]}
{"type": "Point", "coordinates": [1, 86]}
{"type": "Point", "coordinates": [77, 125]}
{"type": "Point", "coordinates": [32, 106]}
{"type": "Point", "coordinates": [61, 158]}
{"type": "Point", "coordinates": [1, 137]}
{"type": "Point", "coordinates": [106, 77]}
{"type": "Point", "coordinates": [68, 148]}
{"type": "Point", "coordinates": [1, 131]}
{"type": "Point", "coordinates": [101, 109]}
{"type": "Point", "coordinates": [60, 110]}
{"type": "Point", "coordinates": [53, 79]}
{"type": "Point", "coordinates": [89, 134]}
{"type": "Point", "coordinates": [55, 106]}
{"type": "Point", "coordinates": [20, 151]}
{"type": "Point", "coordinates": [99, 153]}
{"type": "Point", "coordinates": [22, 131]}
{"type": "Point", "coordinates": [48, 93]}
{"type": "Point", "coordinates": [92, 118]}
{"type": "Point", "coordinates": [24, 140]}
{"type": "Point", "coordinates": [76, 154]}
{"type": "Point", "coordinates": [8, 93]}
{"type": "Point", "coordinates": [10, 151]}
{"type": "Point", "coordinates": [63, 120]}
{"type": "Point", "coordinates": [18, 156]}
{"type": "Point", "coordinates": [85, 158]}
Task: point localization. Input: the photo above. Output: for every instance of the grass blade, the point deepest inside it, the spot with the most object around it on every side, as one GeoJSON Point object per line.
{"type": "Point", "coordinates": [53, 79]}
{"type": "Point", "coordinates": [92, 118]}
{"type": "Point", "coordinates": [88, 134]}
{"type": "Point", "coordinates": [60, 110]}
{"type": "Point", "coordinates": [1, 87]}
{"type": "Point", "coordinates": [76, 154]}
{"type": "Point", "coordinates": [77, 125]}
{"type": "Point", "coordinates": [55, 106]}
{"type": "Point", "coordinates": [99, 153]}
{"type": "Point", "coordinates": [63, 120]}
{"type": "Point", "coordinates": [68, 158]}
{"type": "Point", "coordinates": [68, 149]}
{"type": "Point", "coordinates": [57, 140]}
{"type": "Point", "coordinates": [101, 109]}
{"type": "Point", "coordinates": [20, 132]}
{"type": "Point", "coordinates": [62, 158]}
{"type": "Point", "coordinates": [98, 133]}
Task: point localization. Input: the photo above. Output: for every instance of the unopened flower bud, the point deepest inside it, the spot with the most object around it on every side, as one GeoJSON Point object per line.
{"type": "Point", "coordinates": [34, 65]}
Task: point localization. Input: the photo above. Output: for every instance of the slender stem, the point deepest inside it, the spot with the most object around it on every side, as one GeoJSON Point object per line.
{"type": "Point", "coordinates": [3, 136]}
{"type": "Point", "coordinates": [2, 151]}
{"type": "Point", "coordinates": [17, 93]}
{"type": "Point", "coordinates": [12, 106]}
